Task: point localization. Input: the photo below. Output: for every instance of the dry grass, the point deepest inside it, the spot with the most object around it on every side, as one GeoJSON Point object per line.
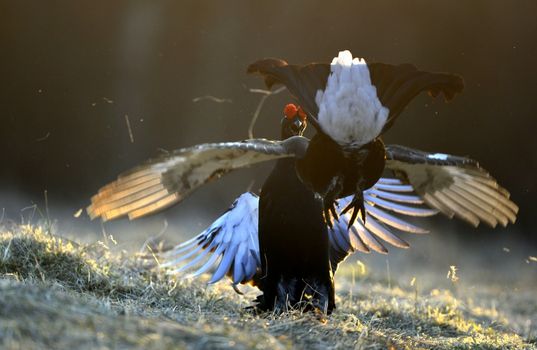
{"type": "Point", "coordinates": [55, 293]}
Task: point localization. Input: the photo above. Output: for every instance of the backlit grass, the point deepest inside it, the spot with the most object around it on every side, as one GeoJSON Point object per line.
{"type": "Point", "coordinates": [57, 293]}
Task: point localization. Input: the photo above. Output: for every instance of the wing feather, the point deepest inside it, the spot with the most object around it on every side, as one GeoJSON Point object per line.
{"type": "Point", "coordinates": [379, 223]}
{"type": "Point", "coordinates": [198, 259]}
{"type": "Point", "coordinates": [108, 212]}
{"type": "Point", "coordinates": [165, 181]}
{"type": "Point", "coordinates": [389, 181]}
{"type": "Point", "coordinates": [357, 242]}
{"type": "Point", "coordinates": [400, 198]}
{"type": "Point", "coordinates": [209, 264]}
{"type": "Point", "coordinates": [176, 259]}
{"type": "Point", "coordinates": [369, 238]}
{"type": "Point", "coordinates": [238, 266]}
{"type": "Point", "coordinates": [393, 221]}
{"type": "Point", "coordinates": [225, 264]}
{"type": "Point", "coordinates": [394, 188]}
{"type": "Point", "coordinates": [402, 209]}
{"type": "Point", "coordinates": [434, 202]}
{"type": "Point", "coordinates": [459, 210]}
{"type": "Point", "coordinates": [183, 247]}
{"type": "Point", "coordinates": [470, 195]}
{"type": "Point", "coordinates": [341, 239]}
{"type": "Point", "coordinates": [230, 243]}
{"type": "Point", "coordinates": [380, 231]}
{"type": "Point", "coordinates": [456, 186]}
{"type": "Point", "coordinates": [480, 213]}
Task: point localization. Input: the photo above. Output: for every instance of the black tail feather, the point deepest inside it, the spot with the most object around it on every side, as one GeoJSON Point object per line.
{"type": "Point", "coordinates": [398, 85]}
{"type": "Point", "coordinates": [303, 82]}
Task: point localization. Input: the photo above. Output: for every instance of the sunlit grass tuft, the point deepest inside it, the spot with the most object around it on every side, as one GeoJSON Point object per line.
{"type": "Point", "coordinates": [31, 253]}
{"type": "Point", "coordinates": [55, 293]}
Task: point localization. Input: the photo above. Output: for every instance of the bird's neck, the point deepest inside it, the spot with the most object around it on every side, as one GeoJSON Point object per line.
{"type": "Point", "coordinates": [284, 135]}
{"type": "Point", "coordinates": [285, 163]}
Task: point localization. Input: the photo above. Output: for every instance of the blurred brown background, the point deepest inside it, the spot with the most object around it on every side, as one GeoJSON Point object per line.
{"type": "Point", "coordinates": [71, 72]}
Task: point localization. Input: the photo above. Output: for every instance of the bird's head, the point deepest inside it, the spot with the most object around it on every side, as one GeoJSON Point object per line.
{"type": "Point", "coordinates": [294, 121]}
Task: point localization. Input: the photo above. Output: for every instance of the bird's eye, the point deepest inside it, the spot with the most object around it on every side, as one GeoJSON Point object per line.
{"type": "Point", "coordinates": [290, 111]}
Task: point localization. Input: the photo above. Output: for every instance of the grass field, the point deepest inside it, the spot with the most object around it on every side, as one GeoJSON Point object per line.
{"type": "Point", "coordinates": [57, 293]}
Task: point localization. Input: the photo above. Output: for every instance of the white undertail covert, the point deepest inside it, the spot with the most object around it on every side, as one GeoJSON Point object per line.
{"type": "Point", "coordinates": [349, 109]}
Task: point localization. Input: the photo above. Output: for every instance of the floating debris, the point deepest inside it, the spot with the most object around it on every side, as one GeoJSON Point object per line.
{"type": "Point", "coordinates": [361, 265]}
{"type": "Point", "coordinates": [266, 94]}
{"type": "Point", "coordinates": [44, 137]}
{"type": "Point", "coordinates": [213, 99]}
{"type": "Point", "coordinates": [452, 274]}
{"type": "Point", "coordinates": [131, 136]}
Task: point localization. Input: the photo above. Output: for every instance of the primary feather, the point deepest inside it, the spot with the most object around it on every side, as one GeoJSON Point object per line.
{"type": "Point", "coordinates": [230, 245]}
{"type": "Point", "coordinates": [456, 186]}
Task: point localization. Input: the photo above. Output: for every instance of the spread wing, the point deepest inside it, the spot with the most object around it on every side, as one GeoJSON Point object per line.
{"type": "Point", "coordinates": [164, 181]}
{"type": "Point", "coordinates": [230, 245]}
{"type": "Point", "coordinates": [456, 186]}
{"type": "Point", "coordinates": [381, 202]}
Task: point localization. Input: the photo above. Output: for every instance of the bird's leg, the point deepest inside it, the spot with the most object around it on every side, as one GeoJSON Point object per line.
{"type": "Point", "coordinates": [357, 206]}
{"type": "Point", "coordinates": [333, 210]}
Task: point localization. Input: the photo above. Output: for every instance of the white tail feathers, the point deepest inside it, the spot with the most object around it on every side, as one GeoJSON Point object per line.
{"type": "Point", "coordinates": [349, 109]}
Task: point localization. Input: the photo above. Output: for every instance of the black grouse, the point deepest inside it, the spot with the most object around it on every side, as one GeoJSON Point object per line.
{"type": "Point", "coordinates": [354, 106]}
{"type": "Point", "coordinates": [351, 103]}
{"type": "Point", "coordinates": [293, 236]}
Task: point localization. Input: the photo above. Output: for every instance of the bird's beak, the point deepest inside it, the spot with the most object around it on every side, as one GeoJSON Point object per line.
{"type": "Point", "coordinates": [298, 124]}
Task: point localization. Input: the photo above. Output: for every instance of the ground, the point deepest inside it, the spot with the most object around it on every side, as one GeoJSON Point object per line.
{"type": "Point", "coordinates": [57, 293]}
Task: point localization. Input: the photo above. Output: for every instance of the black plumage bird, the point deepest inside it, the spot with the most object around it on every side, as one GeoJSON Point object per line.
{"type": "Point", "coordinates": [293, 236]}
{"type": "Point", "coordinates": [353, 106]}
{"type": "Point", "coordinates": [351, 103]}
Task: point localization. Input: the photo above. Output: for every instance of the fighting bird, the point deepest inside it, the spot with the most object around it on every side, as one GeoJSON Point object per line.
{"type": "Point", "coordinates": [291, 216]}
{"type": "Point", "coordinates": [350, 103]}
{"type": "Point", "coordinates": [280, 242]}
